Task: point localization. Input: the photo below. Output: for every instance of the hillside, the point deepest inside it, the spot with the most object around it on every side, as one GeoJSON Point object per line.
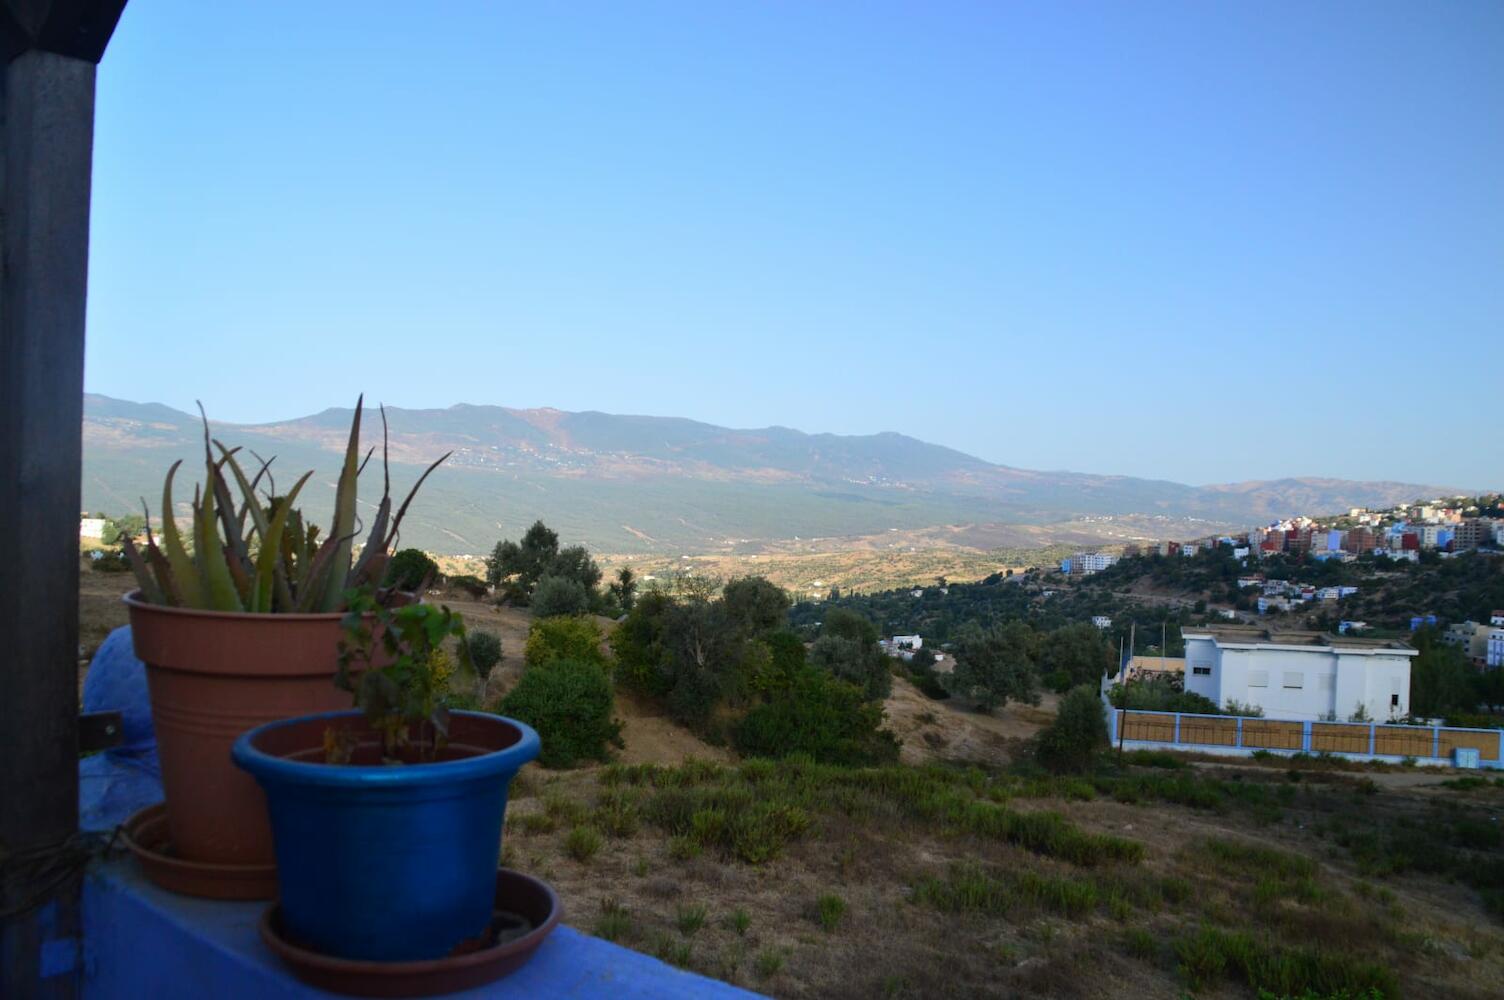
{"type": "Point", "coordinates": [637, 484]}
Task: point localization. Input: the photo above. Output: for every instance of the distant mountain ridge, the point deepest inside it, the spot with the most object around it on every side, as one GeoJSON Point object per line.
{"type": "Point", "coordinates": [632, 483]}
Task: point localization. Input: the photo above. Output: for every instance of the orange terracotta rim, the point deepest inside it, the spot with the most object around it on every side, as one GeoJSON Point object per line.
{"type": "Point", "coordinates": [145, 835]}
{"type": "Point", "coordinates": [134, 599]}
{"type": "Point", "coordinates": [524, 895]}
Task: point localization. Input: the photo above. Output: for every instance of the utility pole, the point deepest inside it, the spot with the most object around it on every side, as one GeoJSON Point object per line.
{"type": "Point", "coordinates": [51, 50]}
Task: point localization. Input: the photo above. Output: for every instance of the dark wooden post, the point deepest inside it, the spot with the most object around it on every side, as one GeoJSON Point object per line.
{"type": "Point", "coordinates": [51, 48]}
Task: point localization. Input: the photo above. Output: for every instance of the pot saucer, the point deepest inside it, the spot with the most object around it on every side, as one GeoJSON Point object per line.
{"type": "Point", "coordinates": [531, 911]}
{"type": "Point", "coordinates": [145, 834]}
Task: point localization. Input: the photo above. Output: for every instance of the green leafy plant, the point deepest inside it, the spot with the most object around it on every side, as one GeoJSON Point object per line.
{"type": "Point", "coordinates": [259, 555]}
{"type": "Point", "coordinates": [394, 661]}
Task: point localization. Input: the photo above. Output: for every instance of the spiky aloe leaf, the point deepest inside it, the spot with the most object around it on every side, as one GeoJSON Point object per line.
{"type": "Point", "coordinates": [219, 584]}
{"type": "Point", "coordinates": [158, 562]}
{"type": "Point", "coordinates": [271, 547]}
{"type": "Point", "coordinates": [375, 548]}
{"type": "Point", "coordinates": [342, 531]}
{"type": "Point", "coordinates": [148, 583]}
{"type": "Point", "coordinates": [402, 511]}
{"type": "Point", "coordinates": [190, 584]}
{"type": "Point", "coordinates": [322, 568]}
{"type": "Point", "coordinates": [238, 561]}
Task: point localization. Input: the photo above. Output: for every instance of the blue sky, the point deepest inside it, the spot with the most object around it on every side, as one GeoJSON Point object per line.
{"type": "Point", "coordinates": [1196, 241]}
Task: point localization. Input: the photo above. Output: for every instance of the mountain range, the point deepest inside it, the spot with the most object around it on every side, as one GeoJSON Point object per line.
{"type": "Point", "coordinates": [666, 484]}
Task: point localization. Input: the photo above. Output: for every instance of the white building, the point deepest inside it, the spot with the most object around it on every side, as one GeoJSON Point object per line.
{"type": "Point", "coordinates": [1299, 674]}
{"type": "Point", "coordinates": [1091, 562]}
{"type": "Point", "coordinates": [902, 646]}
{"type": "Point", "coordinates": [1101, 621]}
{"type": "Point", "coordinates": [91, 527]}
{"type": "Point", "coordinates": [1495, 655]}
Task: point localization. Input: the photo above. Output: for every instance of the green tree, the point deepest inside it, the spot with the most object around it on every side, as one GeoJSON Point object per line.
{"type": "Point", "coordinates": [623, 590]}
{"type": "Point", "coordinates": [858, 663]}
{"type": "Point", "coordinates": [559, 595]}
{"type": "Point", "coordinates": [1080, 651]}
{"type": "Point", "coordinates": [410, 569]}
{"type": "Point", "coordinates": [638, 641]}
{"type": "Point", "coordinates": [515, 567]}
{"type": "Point", "coordinates": [1071, 742]}
{"type": "Point", "coordinates": [575, 563]}
{"type": "Point", "coordinates": [755, 605]}
{"type": "Point", "coordinates": [845, 623]}
{"type": "Point", "coordinates": [786, 660]}
{"type": "Point", "coordinates": [706, 655]}
{"type": "Point", "coordinates": [996, 664]}
{"type": "Point", "coordinates": [1440, 677]}
{"type": "Point", "coordinates": [129, 525]}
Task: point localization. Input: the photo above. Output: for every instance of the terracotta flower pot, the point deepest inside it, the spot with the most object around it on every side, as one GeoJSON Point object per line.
{"type": "Point", "coordinates": [212, 675]}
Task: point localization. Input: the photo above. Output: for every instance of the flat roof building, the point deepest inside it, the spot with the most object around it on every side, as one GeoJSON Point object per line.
{"type": "Point", "coordinates": [1299, 674]}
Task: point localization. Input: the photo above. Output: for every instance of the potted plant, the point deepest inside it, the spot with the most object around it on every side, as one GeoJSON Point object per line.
{"type": "Point", "coordinates": [240, 624]}
{"type": "Point", "coordinates": [387, 819]}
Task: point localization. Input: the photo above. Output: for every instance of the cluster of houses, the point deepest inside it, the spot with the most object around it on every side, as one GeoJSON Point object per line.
{"type": "Point", "coordinates": [1482, 644]}
{"type": "Point", "coordinates": [1282, 595]}
{"type": "Point", "coordinates": [903, 647]}
{"type": "Point", "coordinates": [1400, 533]}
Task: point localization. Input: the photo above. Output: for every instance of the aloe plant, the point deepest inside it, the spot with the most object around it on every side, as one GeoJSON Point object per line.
{"type": "Point", "coordinates": [260, 555]}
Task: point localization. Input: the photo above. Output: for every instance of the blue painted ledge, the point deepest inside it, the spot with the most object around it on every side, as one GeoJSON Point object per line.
{"type": "Point", "coordinates": [140, 941]}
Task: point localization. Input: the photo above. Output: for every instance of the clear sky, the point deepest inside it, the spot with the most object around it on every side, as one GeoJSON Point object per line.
{"type": "Point", "coordinates": [1199, 241]}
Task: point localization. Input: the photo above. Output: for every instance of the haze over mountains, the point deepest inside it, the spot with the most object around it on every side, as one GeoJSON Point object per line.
{"type": "Point", "coordinates": [667, 484]}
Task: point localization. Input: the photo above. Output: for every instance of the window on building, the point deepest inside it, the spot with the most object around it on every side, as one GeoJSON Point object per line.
{"type": "Point", "coordinates": [1201, 671]}
{"type": "Point", "coordinates": [1394, 701]}
{"type": "Point", "coordinates": [1294, 679]}
{"type": "Point", "coordinates": [1258, 678]}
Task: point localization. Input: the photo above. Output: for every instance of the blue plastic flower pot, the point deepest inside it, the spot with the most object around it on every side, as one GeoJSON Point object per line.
{"type": "Point", "coordinates": [386, 862]}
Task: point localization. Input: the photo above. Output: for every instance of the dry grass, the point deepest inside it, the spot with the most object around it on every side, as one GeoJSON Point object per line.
{"type": "Point", "coordinates": [911, 882]}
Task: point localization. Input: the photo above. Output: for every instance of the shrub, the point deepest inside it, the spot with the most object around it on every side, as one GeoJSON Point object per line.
{"type": "Point", "coordinates": [929, 684]}
{"type": "Point", "coordinates": [690, 919]}
{"type": "Point", "coordinates": [1078, 732]}
{"type": "Point", "coordinates": [1159, 696]}
{"type": "Point", "coordinates": [410, 569]}
{"type": "Point", "coordinates": [1282, 971]}
{"type": "Point", "coordinates": [615, 923]}
{"type": "Point", "coordinates": [829, 909]}
{"type": "Point", "coordinates": [569, 703]}
{"type": "Point", "coordinates": [738, 920]}
{"type": "Point", "coordinates": [583, 843]}
{"type": "Point", "coordinates": [559, 595]}
{"type": "Point", "coordinates": [552, 639]}
{"type": "Point", "coordinates": [485, 651]}
{"type": "Point", "coordinates": [472, 585]}
{"type": "Point", "coordinates": [821, 716]}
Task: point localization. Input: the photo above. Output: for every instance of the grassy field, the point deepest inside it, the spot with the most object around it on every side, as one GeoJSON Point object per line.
{"type": "Point", "coordinates": [1140, 880]}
